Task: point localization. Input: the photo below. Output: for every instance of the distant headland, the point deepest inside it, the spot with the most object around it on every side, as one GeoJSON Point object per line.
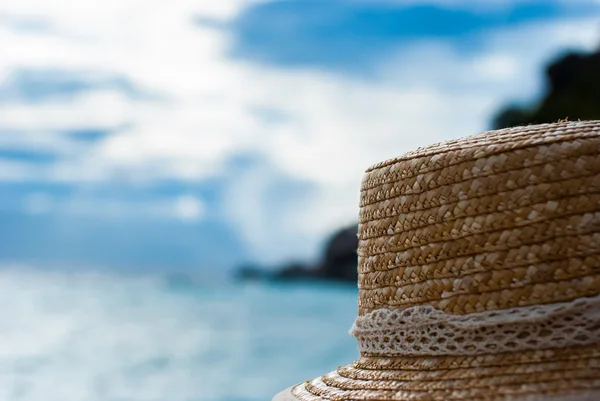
{"type": "Point", "coordinates": [338, 263]}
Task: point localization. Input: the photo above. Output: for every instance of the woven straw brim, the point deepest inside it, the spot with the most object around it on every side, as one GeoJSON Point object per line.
{"type": "Point", "coordinates": [566, 374]}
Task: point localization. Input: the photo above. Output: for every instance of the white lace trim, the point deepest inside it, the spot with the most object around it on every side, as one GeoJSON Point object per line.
{"type": "Point", "coordinates": [424, 330]}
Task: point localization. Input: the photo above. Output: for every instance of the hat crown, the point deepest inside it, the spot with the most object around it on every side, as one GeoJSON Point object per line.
{"type": "Point", "coordinates": [493, 221]}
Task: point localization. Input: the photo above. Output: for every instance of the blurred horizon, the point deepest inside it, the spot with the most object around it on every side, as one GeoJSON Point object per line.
{"type": "Point", "coordinates": [189, 135]}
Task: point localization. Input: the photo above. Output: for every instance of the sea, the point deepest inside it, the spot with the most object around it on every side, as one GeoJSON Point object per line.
{"type": "Point", "coordinates": [67, 336]}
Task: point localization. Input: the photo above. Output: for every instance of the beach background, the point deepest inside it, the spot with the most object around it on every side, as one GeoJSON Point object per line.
{"type": "Point", "coordinates": [179, 181]}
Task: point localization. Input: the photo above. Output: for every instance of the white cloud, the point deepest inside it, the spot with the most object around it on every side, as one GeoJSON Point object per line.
{"type": "Point", "coordinates": [334, 126]}
{"type": "Point", "coordinates": [103, 109]}
{"type": "Point", "coordinates": [189, 208]}
{"type": "Point", "coordinates": [18, 171]}
{"type": "Point", "coordinates": [498, 67]}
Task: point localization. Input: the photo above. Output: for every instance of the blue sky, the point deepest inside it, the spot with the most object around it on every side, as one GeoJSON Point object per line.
{"type": "Point", "coordinates": [199, 134]}
{"type": "Point", "coordinates": [353, 36]}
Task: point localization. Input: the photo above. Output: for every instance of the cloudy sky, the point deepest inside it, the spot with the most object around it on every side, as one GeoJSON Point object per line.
{"type": "Point", "coordinates": [187, 134]}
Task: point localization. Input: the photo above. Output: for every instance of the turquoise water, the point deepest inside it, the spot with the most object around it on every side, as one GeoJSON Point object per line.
{"type": "Point", "coordinates": [100, 337]}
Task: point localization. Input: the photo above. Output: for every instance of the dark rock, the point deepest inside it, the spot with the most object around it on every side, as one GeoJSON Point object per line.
{"type": "Point", "coordinates": [340, 259]}
{"type": "Point", "coordinates": [339, 262]}
{"type": "Point", "coordinates": [247, 273]}
{"type": "Point", "coordinates": [573, 92]}
{"type": "Point", "coordinates": [295, 271]}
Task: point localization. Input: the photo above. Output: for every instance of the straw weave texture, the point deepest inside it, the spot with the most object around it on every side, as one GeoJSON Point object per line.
{"type": "Point", "coordinates": [496, 220]}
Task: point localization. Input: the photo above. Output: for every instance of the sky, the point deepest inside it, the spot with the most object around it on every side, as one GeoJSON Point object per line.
{"type": "Point", "coordinates": [144, 134]}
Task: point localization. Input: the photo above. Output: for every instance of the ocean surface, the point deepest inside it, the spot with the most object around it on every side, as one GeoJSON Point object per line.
{"type": "Point", "coordinates": [88, 337]}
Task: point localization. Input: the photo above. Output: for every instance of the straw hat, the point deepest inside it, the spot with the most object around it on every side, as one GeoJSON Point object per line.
{"type": "Point", "coordinates": [479, 272]}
